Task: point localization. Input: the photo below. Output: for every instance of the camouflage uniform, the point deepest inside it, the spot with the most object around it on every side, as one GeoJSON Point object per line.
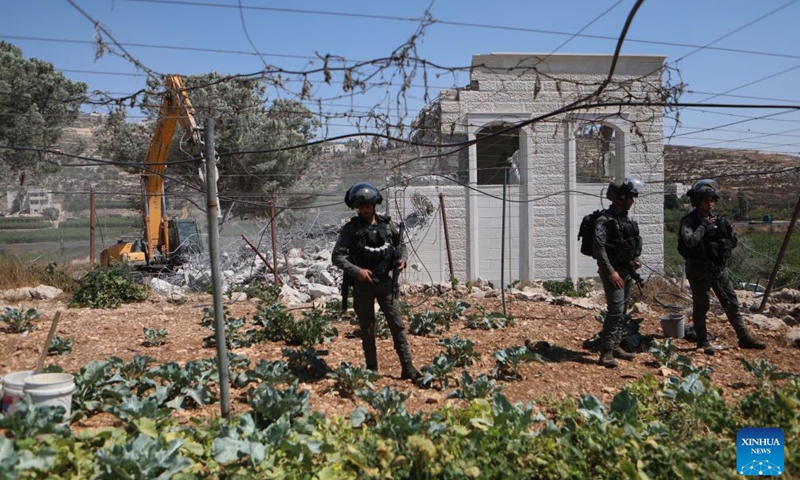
{"type": "Point", "coordinates": [706, 245]}
{"type": "Point", "coordinates": [617, 246]}
{"type": "Point", "coordinates": [361, 245]}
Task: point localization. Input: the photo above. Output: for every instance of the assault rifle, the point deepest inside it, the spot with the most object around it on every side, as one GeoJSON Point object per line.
{"type": "Point", "coordinates": [398, 255]}
{"type": "Point", "coordinates": [347, 282]}
{"type": "Point", "coordinates": [636, 277]}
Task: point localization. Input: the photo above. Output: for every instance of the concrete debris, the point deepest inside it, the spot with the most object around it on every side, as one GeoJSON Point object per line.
{"type": "Point", "coordinates": [765, 322]}
{"type": "Point", "coordinates": [41, 292]}
{"type": "Point", "coordinates": [641, 308]}
{"type": "Point", "coordinates": [793, 336]}
{"type": "Point", "coordinates": [45, 292]}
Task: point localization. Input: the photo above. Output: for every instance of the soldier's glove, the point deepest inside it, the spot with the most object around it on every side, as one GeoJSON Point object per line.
{"type": "Point", "coordinates": [709, 226]}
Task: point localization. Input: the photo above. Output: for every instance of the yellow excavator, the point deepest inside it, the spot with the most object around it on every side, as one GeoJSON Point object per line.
{"type": "Point", "coordinates": [166, 242]}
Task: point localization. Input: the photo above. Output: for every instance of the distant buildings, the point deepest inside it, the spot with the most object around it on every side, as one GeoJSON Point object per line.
{"type": "Point", "coordinates": [29, 200]}
{"type": "Point", "coordinates": [350, 147]}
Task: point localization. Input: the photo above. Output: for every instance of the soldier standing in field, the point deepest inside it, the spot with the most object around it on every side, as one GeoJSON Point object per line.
{"type": "Point", "coordinates": [705, 241]}
{"type": "Point", "coordinates": [617, 246]}
{"type": "Point", "coordinates": [367, 252]}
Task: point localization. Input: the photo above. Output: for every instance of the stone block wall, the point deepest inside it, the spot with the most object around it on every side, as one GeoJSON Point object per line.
{"type": "Point", "coordinates": [514, 88]}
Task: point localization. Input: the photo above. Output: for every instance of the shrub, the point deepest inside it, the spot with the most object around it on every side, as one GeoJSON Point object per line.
{"type": "Point", "coordinates": [108, 287]}
{"type": "Point", "coordinates": [566, 287]}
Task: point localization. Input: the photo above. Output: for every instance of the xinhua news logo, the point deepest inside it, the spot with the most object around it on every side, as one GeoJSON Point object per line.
{"type": "Point", "coordinates": [759, 451]}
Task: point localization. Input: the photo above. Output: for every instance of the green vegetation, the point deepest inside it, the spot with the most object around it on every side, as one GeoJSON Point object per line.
{"type": "Point", "coordinates": [566, 287]}
{"type": "Point", "coordinates": [19, 321]}
{"type": "Point", "coordinates": [154, 337]}
{"type": "Point", "coordinates": [39, 230]}
{"type": "Point", "coordinates": [60, 346]}
{"type": "Point", "coordinates": [23, 223]}
{"type": "Point", "coordinates": [108, 287]}
{"type": "Point", "coordinates": [38, 103]}
{"type": "Point", "coordinates": [350, 379]}
{"type": "Point", "coordinates": [678, 427]}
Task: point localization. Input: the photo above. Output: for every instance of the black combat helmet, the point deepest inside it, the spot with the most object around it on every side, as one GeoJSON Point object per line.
{"type": "Point", "coordinates": [362, 194]}
{"type": "Point", "coordinates": [628, 188]}
{"type": "Point", "coordinates": [702, 189]}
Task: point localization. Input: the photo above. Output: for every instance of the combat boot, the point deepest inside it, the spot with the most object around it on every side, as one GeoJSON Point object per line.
{"type": "Point", "coordinates": [607, 359]}
{"type": "Point", "coordinates": [708, 349]}
{"type": "Point", "coordinates": [749, 341]}
{"type": "Point", "coordinates": [410, 373]}
{"type": "Point", "coordinates": [620, 353]}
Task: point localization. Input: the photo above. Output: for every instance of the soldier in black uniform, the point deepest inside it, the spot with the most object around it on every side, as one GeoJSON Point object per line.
{"type": "Point", "coordinates": [365, 250]}
{"type": "Point", "coordinates": [617, 246]}
{"type": "Point", "coordinates": [706, 240]}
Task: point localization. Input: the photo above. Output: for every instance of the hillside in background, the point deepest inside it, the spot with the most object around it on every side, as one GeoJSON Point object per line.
{"type": "Point", "coordinates": [761, 175]}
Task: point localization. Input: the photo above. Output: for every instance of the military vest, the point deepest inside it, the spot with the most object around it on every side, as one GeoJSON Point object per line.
{"type": "Point", "coordinates": [623, 241]}
{"type": "Point", "coordinates": [717, 244]}
{"type": "Point", "coordinates": [373, 248]}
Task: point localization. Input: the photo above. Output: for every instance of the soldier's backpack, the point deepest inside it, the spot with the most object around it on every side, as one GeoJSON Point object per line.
{"type": "Point", "coordinates": [586, 232]}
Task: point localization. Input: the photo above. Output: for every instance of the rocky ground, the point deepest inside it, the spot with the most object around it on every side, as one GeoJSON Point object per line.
{"type": "Point", "coordinates": [100, 333]}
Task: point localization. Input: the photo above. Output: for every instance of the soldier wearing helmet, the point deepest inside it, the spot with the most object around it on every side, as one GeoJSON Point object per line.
{"type": "Point", "coordinates": [617, 246]}
{"type": "Point", "coordinates": [365, 250]}
{"type": "Point", "coordinates": [705, 241]}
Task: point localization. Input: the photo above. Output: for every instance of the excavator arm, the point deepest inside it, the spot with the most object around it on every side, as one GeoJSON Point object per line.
{"type": "Point", "coordinates": [176, 108]}
{"type": "Point", "coordinates": [163, 237]}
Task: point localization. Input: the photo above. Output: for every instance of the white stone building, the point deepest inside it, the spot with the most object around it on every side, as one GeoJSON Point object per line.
{"type": "Point", "coordinates": [30, 200]}
{"type": "Point", "coordinates": [556, 167]}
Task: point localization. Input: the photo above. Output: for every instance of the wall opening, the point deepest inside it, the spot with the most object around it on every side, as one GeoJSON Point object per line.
{"type": "Point", "coordinates": [598, 153]}
{"type": "Point", "coordinates": [493, 154]}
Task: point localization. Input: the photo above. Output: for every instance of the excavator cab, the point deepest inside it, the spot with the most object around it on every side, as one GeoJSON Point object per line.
{"type": "Point", "coordinates": [184, 240]}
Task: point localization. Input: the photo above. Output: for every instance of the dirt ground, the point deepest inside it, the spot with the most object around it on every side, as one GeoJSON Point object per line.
{"type": "Point", "coordinates": [98, 334]}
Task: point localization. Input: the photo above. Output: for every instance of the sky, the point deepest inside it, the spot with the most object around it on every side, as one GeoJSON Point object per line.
{"type": "Point", "coordinates": [726, 51]}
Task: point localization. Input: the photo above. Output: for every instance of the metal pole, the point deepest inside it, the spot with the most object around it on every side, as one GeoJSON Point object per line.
{"type": "Point", "coordinates": [503, 246]}
{"type": "Point", "coordinates": [780, 256]}
{"type": "Point", "coordinates": [446, 236]}
{"type": "Point", "coordinates": [216, 278]}
{"type": "Point", "coordinates": [274, 242]}
{"type": "Point", "coordinates": [92, 213]}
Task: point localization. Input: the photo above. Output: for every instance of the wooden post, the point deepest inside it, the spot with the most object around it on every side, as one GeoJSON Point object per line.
{"type": "Point", "coordinates": [266, 262]}
{"type": "Point", "coordinates": [446, 235]}
{"type": "Point", "coordinates": [780, 256]}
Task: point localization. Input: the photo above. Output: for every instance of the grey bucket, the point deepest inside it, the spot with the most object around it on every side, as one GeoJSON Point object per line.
{"type": "Point", "coordinates": [672, 325]}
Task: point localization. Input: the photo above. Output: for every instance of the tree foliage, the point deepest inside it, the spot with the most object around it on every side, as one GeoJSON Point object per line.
{"type": "Point", "coordinates": [36, 104]}
{"type": "Point", "coordinates": [243, 122]}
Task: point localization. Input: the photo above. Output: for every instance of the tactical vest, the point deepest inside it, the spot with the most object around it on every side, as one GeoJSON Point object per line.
{"type": "Point", "coordinates": [717, 244]}
{"type": "Point", "coordinates": [373, 247]}
{"type": "Point", "coordinates": [623, 243]}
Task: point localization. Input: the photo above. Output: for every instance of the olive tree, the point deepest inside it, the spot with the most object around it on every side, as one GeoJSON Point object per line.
{"type": "Point", "coordinates": [36, 104]}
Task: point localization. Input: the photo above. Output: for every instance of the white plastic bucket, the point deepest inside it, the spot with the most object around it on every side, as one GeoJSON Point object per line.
{"type": "Point", "coordinates": [13, 384]}
{"type": "Point", "coordinates": [672, 325]}
{"type": "Point", "coordinates": [51, 389]}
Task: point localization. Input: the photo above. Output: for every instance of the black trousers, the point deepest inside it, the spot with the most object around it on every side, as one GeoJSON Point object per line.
{"type": "Point", "coordinates": [364, 296]}
{"type": "Point", "coordinates": [703, 277]}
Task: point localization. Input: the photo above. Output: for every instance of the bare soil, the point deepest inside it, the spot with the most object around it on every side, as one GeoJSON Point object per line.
{"type": "Point", "coordinates": [98, 334]}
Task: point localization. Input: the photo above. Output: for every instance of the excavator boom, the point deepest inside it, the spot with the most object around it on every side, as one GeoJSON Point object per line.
{"type": "Point", "coordinates": [164, 239]}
